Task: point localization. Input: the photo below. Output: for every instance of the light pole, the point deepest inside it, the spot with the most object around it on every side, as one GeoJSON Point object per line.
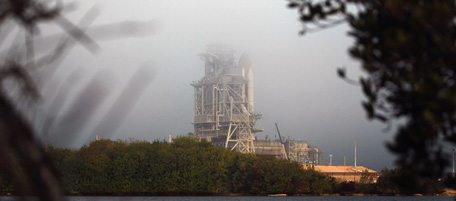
{"type": "Point", "coordinates": [330, 159]}
{"type": "Point", "coordinates": [453, 162]}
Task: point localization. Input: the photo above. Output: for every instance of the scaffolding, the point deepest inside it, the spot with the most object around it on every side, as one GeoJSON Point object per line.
{"type": "Point", "coordinates": [303, 153]}
{"type": "Point", "coordinates": [298, 151]}
{"type": "Point", "coordinates": [224, 113]}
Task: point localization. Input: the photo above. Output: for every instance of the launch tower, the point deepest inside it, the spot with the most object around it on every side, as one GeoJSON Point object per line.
{"type": "Point", "coordinates": [224, 103]}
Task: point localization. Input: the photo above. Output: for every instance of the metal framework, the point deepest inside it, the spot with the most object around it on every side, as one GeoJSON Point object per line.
{"type": "Point", "coordinates": [302, 152]}
{"type": "Point", "coordinates": [223, 109]}
{"type": "Point", "coordinates": [292, 151]}
{"type": "Point", "coordinates": [299, 151]}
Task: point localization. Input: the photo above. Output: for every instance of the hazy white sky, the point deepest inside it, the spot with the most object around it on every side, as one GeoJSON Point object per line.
{"type": "Point", "coordinates": [295, 76]}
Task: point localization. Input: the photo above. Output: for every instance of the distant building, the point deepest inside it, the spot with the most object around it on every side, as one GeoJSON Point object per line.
{"type": "Point", "coordinates": [346, 173]}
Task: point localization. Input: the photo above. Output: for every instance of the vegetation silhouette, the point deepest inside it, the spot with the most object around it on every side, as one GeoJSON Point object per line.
{"type": "Point", "coordinates": [27, 65]}
{"type": "Point", "coordinates": [184, 167]}
{"type": "Point", "coordinates": [190, 167]}
{"type": "Point", "coordinates": [407, 50]}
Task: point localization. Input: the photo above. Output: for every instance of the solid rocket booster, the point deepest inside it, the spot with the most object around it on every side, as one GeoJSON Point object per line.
{"type": "Point", "coordinates": [250, 89]}
{"type": "Point", "coordinates": [247, 72]}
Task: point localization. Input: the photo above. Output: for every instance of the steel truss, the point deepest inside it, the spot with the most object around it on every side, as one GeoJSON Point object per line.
{"type": "Point", "coordinates": [222, 112]}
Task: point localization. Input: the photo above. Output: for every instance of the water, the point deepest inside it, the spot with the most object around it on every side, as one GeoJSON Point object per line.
{"type": "Point", "coordinates": [249, 198]}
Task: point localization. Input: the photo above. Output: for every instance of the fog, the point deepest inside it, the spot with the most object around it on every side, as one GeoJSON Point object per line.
{"type": "Point", "coordinates": [136, 82]}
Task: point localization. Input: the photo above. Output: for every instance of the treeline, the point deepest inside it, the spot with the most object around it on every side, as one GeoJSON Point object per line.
{"type": "Point", "coordinates": [190, 167]}
{"type": "Point", "coordinates": [184, 167]}
{"type": "Point", "coordinates": [395, 182]}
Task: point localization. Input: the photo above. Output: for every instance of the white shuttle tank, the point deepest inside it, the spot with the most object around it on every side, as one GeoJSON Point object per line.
{"type": "Point", "coordinates": [247, 72]}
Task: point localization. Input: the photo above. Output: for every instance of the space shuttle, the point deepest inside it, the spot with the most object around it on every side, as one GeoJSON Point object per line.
{"type": "Point", "coordinates": [247, 73]}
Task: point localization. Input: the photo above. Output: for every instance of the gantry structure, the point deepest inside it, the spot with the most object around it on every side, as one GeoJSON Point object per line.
{"type": "Point", "coordinates": [224, 107]}
{"type": "Point", "coordinates": [299, 151]}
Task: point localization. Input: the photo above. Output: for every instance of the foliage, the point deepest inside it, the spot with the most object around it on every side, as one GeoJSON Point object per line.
{"type": "Point", "coordinates": [183, 167]}
{"type": "Point", "coordinates": [393, 182]}
{"type": "Point", "coordinates": [21, 157]}
{"type": "Point", "coordinates": [366, 177]}
{"type": "Point", "coordinates": [400, 181]}
{"type": "Point", "coordinates": [26, 67]}
{"type": "Point", "coordinates": [449, 181]}
{"type": "Point", "coordinates": [407, 49]}
{"type": "Point", "coordinates": [189, 167]}
{"type": "Point", "coordinates": [24, 163]}
{"type": "Point", "coordinates": [386, 182]}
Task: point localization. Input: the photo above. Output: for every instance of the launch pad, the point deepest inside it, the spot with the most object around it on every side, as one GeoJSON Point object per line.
{"type": "Point", "coordinates": [224, 107]}
{"type": "Point", "coordinates": [224, 112]}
